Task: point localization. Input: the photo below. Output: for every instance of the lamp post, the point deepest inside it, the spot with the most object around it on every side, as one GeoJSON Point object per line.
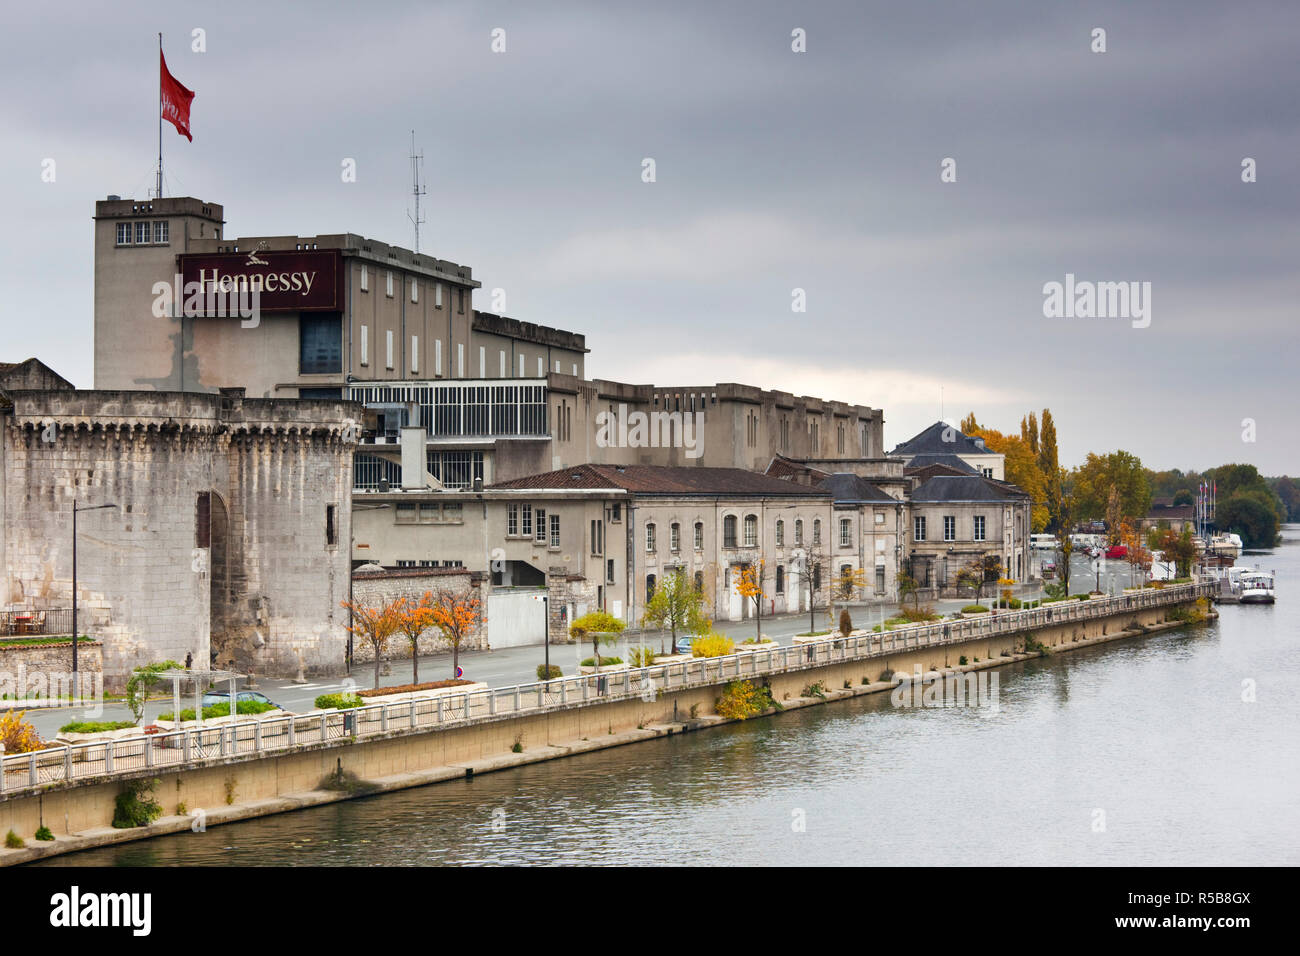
{"type": "Point", "coordinates": [75, 510]}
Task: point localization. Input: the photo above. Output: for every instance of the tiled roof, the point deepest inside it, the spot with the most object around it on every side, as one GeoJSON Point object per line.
{"type": "Point", "coordinates": [792, 470]}
{"type": "Point", "coordinates": [965, 488]}
{"type": "Point", "coordinates": [940, 439]}
{"type": "Point", "coordinates": [663, 480]}
{"type": "Point", "coordinates": [949, 462]}
{"type": "Point", "coordinates": [850, 487]}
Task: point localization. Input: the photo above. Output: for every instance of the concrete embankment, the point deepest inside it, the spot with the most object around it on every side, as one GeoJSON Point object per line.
{"type": "Point", "coordinates": [240, 787]}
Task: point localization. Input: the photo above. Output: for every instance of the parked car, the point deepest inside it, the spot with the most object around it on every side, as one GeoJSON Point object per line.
{"type": "Point", "coordinates": [683, 645]}
{"type": "Point", "coordinates": [213, 697]}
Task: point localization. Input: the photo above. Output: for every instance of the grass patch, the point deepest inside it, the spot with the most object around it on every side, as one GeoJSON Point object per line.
{"type": "Point", "coordinates": [813, 634]}
{"type": "Point", "coordinates": [94, 726]}
{"type": "Point", "coordinates": [43, 641]}
{"type": "Point", "coordinates": [13, 841]}
{"type": "Point", "coordinates": [974, 609]}
{"type": "Point", "coordinates": [604, 661]}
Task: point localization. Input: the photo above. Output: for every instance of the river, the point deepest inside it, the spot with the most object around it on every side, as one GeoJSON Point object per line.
{"type": "Point", "coordinates": [1139, 752]}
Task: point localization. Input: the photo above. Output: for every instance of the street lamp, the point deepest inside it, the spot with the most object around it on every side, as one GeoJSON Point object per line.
{"type": "Point", "coordinates": [75, 510]}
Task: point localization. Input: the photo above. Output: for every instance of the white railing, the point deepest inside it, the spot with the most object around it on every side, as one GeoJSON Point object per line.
{"type": "Point", "coordinates": [178, 749]}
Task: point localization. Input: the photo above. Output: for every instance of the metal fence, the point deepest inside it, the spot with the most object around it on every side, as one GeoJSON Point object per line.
{"type": "Point", "coordinates": [48, 622]}
{"type": "Point", "coordinates": [192, 747]}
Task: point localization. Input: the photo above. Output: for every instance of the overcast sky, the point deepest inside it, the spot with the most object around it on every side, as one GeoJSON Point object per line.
{"type": "Point", "coordinates": [775, 170]}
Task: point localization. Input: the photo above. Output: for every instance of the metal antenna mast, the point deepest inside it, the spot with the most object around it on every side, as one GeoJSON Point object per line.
{"type": "Point", "coordinates": [417, 162]}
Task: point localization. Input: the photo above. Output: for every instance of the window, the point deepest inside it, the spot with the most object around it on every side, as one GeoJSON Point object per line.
{"type": "Point", "coordinates": [141, 233]}
{"type": "Point", "coordinates": [407, 514]}
{"type": "Point", "coordinates": [780, 534]}
{"type": "Point", "coordinates": [609, 571]}
{"type": "Point", "coordinates": [527, 530]}
{"type": "Point", "coordinates": [365, 279]}
{"type": "Point", "coordinates": [460, 301]}
{"type": "Point", "coordinates": [675, 537]}
{"type": "Point", "coordinates": [388, 284]}
{"type": "Point", "coordinates": [123, 233]}
{"type": "Point", "coordinates": [512, 520]}
{"type": "Point", "coordinates": [428, 513]}
{"type": "Point", "coordinates": [437, 295]}
{"type": "Point", "coordinates": [699, 536]}
{"type": "Point", "coordinates": [817, 531]}
{"type": "Point", "coordinates": [751, 531]}
{"type": "Point", "coordinates": [798, 533]}
{"type": "Point", "coordinates": [649, 537]}
{"type": "Point", "coordinates": [541, 526]}
{"type": "Point", "coordinates": [880, 517]}
{"type": "Point", "coordinates": [649, 587]}
{"type": "Point", "coordinates": [597, 536]}
{"type": "Point", "coordinates": [729, 531]}
{"type": "Point", "coordinates": [482, 361]}
{"type": "Point", "coordinates": [988, 472]}
{"type": "Point", "coordinates": [437, 356]}
{"type": "Point", "coordinates": [203, 520]}
{"type": "Point", "coordinates": [460, 359]}
{"type": "Point", "coordinates": [160, 230]}
{"type": "Point", "coordinates": [320, 343]}
{"type": "Point", "coordinates": [415, 291]}
{"type": "Point", "coordinates": [331, 531]}
{"type": "Point", "coordinates": [918, 529]}
{"type": "Point", "coordinates": [365, 345]}
{"type": "Point", "coordinates": [388, 336]}
{"type": "Point", "coordinates": [501, 364]}
{"type": "Point", "coordinates": [880, 579]}
{"type": "Point", "coordinates": [780, 579]}
{"type": "Point", "coordinates": [726, 578]}
{"type": "Point", "coordinates": [699, 582]}
{"type": "Point", "coordinates": [949, 528]}
{"type": "Point", "coordinates": [846, 533]}
{"type": "Point", "coordinates": [979, 527]}
{"type": "Point", "coordinates": [555, 531]}
{"type": "Point", "coordinates": [616, 511]}
{"type": "Point", "coordinates": [415, 353]}
{"type": "Point", "coordinates": [451, 513]}
{"type": "Point", "coordinates": [541, 366]}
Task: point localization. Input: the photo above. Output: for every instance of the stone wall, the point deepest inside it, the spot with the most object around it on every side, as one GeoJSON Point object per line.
{"type": "Point", "coordinates": [42, 670]}
{"type": "Point", "coordinates": [249, 577]}
{"type": "Point", "coordinates": [375, 588]}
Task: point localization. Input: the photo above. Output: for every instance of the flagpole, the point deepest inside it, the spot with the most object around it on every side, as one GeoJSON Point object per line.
{"type": "Point", "coordinates": [158, 189]}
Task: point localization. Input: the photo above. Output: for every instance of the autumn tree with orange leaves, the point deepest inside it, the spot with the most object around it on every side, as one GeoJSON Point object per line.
{"type": "Point", "coordinates": [414, 618]}
{"type": "Point", "coordinates": [374, 625]}
{"type": "Point", "coordinates": [456, 615]}
{"type": "Point", "coordinates": [749, 582]}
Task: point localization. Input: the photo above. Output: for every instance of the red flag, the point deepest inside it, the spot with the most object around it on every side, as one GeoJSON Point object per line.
{"type": "Point", "coordinates": [175, 100]}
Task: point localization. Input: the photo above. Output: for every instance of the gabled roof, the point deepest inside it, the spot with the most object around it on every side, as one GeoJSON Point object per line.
{"type": "Point", "coordinates": [790, 469]}
{"type": "Point", "coordinates": [847, 487]}
{"type": "Point", "coordinates": [939, 464]}
{"type": "Point", "coordinates": [664, 480]}
{"type": "Point", "coordinates": [965, 488]}
{"type": "Point", "coordinates": [941, 439]}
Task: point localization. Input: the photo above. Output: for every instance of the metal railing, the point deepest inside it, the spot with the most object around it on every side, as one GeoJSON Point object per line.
{"type": "Point", "coordinates": [48, 622]}
{"type": "Point", "coordinates": [193, 746]}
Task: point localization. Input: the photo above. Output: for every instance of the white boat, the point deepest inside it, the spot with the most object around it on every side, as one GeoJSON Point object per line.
{"type": "Point", "coordinates": [1225, 545]}
{"type": "Point", "coordinates": [1255, 587]}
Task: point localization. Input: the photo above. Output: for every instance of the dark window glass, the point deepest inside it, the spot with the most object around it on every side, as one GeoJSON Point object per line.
{"type": "Point", "coordinates": [320, 341]}
{"type": "Point", "coordinates": [320, 393]}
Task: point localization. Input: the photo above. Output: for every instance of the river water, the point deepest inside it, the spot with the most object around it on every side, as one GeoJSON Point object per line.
{"type": "Point", "coordinates": [1139, 752]}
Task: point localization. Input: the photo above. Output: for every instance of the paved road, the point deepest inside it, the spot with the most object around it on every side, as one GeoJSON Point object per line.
{"type": "Point", "coordinates": [499, 668]}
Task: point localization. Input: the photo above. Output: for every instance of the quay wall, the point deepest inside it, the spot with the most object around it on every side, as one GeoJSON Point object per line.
{"type": "Point", "coordinates": [240, 787]}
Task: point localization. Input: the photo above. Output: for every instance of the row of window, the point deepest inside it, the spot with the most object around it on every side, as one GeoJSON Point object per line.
{"type": "Point", "coordinates": [729, 539]}
{"type": "Point", "coordinates": [424, 512]}
{"type": "Point", "coordinates": [525, 521]}
{"type": "Point", "coordinates": [415, 289]}
{"type": "Point", "coordinates": [407, 563]}
{"type": "Point", "coordinates": [466, 409]}
{"type": "Point", "coordinates": [142, 233]}
{"type": "Point", "coordinates": [949, 528]}
{"type": "Point", "coordinates": [845, 571]}
{"type": "Point", "coordinates": [456, 470]}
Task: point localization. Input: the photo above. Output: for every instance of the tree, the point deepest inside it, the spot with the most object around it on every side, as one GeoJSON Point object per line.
{"type": "Point", "coordinates": [814, 561]}
{"type": "Point", "coordinates": [1178, 548]}
{"type": "Point", "coordinates": [1065, 524]}
{"type": "Point", "coordinates": [1136, 554]}
{"type": "Point", "coordinates": [1288, 492]}
{"type": "Point", "coordinates": [456, 614]}
{"type": "Point", "coordinates": [143, 680]}
{"type": "Point", "coordinates": [1020, 468]}
{"type": "Point", "coordinates": [17, 736]}
{"type": "Point", "coordinates": [908, 586]}
{"type": "Point", "coordinates": [1251, 514]}
{"type": "Point", "coordinates": [979, 572]}
{"type": "Point", "coordinates": [1029, 432]}
{"type": "Point", "coordinates": [374, 626]}
{"type": "Point", "coordinates": [676, 605]}
{"type": "Point", "coordinates": [1118, 470]}
{"type": "Point", "coordinates": [413, 619]}
{"type": "Point", "coordinates": [1049, 464]}
{"type": "Point", "coordinates": [1182, 497]}
{"type": "Point", "coordinates": [599, 627]}
{"type": "Point", "coordinates": [850, 581]}
{"type": "Point", "coordinates": [1114, 516]}
{"type": "Point", "coordinates": [749, 582]}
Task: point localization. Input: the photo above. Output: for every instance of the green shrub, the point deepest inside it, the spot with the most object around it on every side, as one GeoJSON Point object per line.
{"type": "Point", "coordinates": [846, 622]}
{"type": "Point", "coordinates": [94, 726]}
{"type": "Point", "coordinates": [742, 699]}
{"type": "Point", "coordinates": [604, 661]}
{"type": "Point", "coordinates": [135, 806]}
{"type": "Point", "coordinates": [918, 615]}
{"type": "Point", "coordinates": [338, 701]}
{"type": "Point", "coordinates": [962, 660]}
{"type": "Point", "coordinates": [712, 645]}
{"type": "Point", "coordinates": [641, 656]}
{"type": "Point", "coordinates": [548, 673]}
{"type": "Point", "coordinates": [13, 841]}
{"type": "Point", "coordinates": [974, 609]}
{"type": "Point", "coordinates": [1012, 604]}
{"type": "Point", "coordinates": [43, 834]}
{"type": "Point", "coordinates": [815, 690]}
{"type": "Point", "coordinates": [1081, 597]}
{"type": "Point", "coordinates": [517, 747]}
{"type": "Point", "coordinates": [247, 707]}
